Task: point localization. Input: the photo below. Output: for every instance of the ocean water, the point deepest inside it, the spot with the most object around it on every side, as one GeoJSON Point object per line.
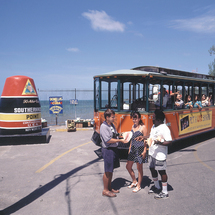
{"type": "Point", "coordinates": [84, 110]}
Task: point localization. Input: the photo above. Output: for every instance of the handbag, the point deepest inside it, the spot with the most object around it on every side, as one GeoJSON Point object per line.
{"type": "Point", "coordinates": [96, 139]}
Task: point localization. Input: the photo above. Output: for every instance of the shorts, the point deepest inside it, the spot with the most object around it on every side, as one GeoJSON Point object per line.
{"type": "Point", "coordinates": [156, 164]}
{"type": "Point", "coordinates": [111, 158]}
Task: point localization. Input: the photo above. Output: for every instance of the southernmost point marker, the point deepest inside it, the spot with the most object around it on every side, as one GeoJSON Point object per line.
{"type": "Point", "coordinates": [20, 112]}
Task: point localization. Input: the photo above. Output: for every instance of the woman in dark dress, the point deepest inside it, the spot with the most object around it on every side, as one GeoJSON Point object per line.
{"type": "Point", "coordinates": [137, 151]}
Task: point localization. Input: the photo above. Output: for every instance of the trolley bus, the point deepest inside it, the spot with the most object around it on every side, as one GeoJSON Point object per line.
{"type": "Point", "coordinates": [142, 89]}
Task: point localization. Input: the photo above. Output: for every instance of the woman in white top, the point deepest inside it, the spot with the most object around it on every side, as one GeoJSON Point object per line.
{"type": "Point", "coordinates": [204, 100]}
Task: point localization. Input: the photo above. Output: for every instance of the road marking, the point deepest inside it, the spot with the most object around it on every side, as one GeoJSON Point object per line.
{"type": "Point", "coordinates": [58, 157]}
{"type": "Point", "coordinates": [200, 161]}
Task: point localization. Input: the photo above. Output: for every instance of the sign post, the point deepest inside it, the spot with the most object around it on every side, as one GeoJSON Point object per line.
{"type": "Point", "coordinates": [74, 102]}
{"type": "Point", "coordinates": [56, 105]}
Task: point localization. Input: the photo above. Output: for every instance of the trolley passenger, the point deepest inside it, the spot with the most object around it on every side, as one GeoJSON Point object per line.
{"type": "Point", "coordinates": [204, 100]}
{"type": "Point", "coordinates": [197, 102]}
{"type": "Point", "coordinates": [179, 102]}
{"type": "Point", "coordinates": [166, 97]}
{"type": "Point", "coordinates": [210, 99]}
{"type": "Point", "coordinates": [137, 151]}
{"type": "Point", "coordinates": [188, 102]}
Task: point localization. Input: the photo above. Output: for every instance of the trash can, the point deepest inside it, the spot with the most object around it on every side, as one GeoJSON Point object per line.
{"type": "Point", "coordinates": [71, 125]}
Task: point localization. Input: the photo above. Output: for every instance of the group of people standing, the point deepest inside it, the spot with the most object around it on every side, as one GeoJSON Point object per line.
{"type": "Point", "coordinates": [156, 143]}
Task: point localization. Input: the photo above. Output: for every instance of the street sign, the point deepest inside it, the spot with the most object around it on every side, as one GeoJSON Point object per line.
{"type": "Point", "coordinates": [73, 101]}
{"type": "Point", "coordinates": [56, 105]}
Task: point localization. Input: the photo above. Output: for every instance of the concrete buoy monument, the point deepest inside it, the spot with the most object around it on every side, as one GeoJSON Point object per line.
{"type": "Point", "coordinates": [20, 111]}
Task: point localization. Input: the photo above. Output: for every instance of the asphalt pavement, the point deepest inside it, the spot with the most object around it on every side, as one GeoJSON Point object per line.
{"type": "Point", "coordinates": [64, 177]}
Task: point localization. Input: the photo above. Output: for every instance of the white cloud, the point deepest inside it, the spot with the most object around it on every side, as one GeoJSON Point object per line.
{"type": "Point", "coordinates": [73, 50]}
{"type": "Point", "coordinates": [138, 34]}
{"type": "Point", "coordinates": [103, 22]}
{"type": "Point", "coordinates": [202, 24]}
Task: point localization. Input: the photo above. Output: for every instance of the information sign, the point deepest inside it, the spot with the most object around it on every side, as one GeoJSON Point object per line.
{"type": "Point", "coordinates": [56, 105]}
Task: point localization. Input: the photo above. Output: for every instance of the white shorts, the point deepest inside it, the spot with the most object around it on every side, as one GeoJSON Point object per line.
{"type": "Point", "coordinates": [156, 164]}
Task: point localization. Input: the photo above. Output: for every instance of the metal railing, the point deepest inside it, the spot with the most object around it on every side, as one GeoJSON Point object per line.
{"type": "Point", "coordinates": [83, 110]}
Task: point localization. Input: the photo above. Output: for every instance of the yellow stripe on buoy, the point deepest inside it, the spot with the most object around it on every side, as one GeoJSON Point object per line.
{"type": "Point", "coordinates": [15, 117]}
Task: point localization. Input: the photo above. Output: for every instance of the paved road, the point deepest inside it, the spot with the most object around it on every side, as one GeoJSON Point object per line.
{"type": "Point", "coordinates": [65, 177]}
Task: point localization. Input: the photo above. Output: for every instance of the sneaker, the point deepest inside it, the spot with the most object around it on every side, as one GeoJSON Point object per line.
{"type": "Point", "coordinates": [161, 195]}
{"type": "Point", "coordinates": [153, 190]}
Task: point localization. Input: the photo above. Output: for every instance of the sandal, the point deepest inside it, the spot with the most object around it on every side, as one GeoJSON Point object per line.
{"type": "Point", "coordinates": [135, 190]}
{"type": "Point", "coordinates": [132, 185]}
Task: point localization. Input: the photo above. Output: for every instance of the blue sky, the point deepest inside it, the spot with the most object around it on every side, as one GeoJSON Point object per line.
{"type": "Point", "coordinates": [62, 44]}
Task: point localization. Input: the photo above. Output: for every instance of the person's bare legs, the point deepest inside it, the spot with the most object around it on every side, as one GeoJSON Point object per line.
{"type": "Point", "coordinates": [164, 181]}
{"type": "Point", "coordinates": [107, 180]}
{"type": "Point", "coordinates": [131, 171]}
{"type": "Point", "coordinates": [109, 184]}
{"type": "Point", "coordinates": [107, 177]}
{"type": "Point", "coordinates": [140, 174]}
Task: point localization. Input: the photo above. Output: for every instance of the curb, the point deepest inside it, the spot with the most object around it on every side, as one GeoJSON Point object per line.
{"type": "Point", "coordinates": [77, 129]}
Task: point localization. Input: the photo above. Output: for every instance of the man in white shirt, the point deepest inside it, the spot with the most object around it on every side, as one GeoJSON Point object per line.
{"type": "Point", "coordinates": [160, 139]}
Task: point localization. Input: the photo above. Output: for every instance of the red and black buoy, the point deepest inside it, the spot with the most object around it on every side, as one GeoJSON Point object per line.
{"type": "Point", "coordinates": [20, 111]}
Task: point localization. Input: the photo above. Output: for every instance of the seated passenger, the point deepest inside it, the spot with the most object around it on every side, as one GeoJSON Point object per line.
{"type": "Point", "coordinates": [204, 100]}
{"type": "Point", "coordinates": [188, 102]}
{"type": "Point", "coordinates": [138, 103]}
{"type": "Point", "coordinates": [179, 102]}
{"type": "Point", "coordinates": [197, 102]}
{"type": "Point", "coordinates": [210, 99]}
{"type": "Point", "coordinates": [166, 97]}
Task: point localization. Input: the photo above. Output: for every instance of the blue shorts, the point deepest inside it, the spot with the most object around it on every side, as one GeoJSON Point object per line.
{"type": "Point", "coordinates": [111, 158]}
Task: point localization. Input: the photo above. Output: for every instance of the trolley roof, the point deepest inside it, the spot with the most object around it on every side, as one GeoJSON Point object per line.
{"type": "Point", "coordinates": [159, 72]}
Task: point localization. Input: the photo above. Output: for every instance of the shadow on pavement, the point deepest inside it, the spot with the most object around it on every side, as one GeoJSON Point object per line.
{"type": "Point", "coordinates": [180, 145]}
{"type": "Point", "coordinates": [121, 182]}
{"type": "Point", "coordinates": [43, 189]}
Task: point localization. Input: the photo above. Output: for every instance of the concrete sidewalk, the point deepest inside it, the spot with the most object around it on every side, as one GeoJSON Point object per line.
{"type": "Point", "coordinates": [65, 177]}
